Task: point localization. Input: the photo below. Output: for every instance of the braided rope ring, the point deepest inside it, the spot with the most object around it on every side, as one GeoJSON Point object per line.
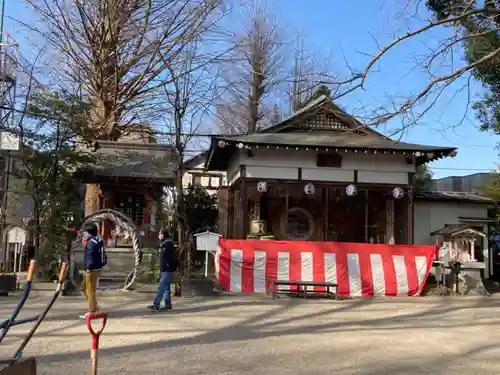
{"type": "Point", "coordinates": [125, 223]}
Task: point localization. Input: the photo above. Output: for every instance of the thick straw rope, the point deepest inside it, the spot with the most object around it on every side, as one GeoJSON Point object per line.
{"type": "Point", "coordinates": [123, 222]}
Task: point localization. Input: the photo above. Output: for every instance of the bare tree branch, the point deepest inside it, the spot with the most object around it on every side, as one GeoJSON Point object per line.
{"type": "Point", "coordinates": [121, 49]}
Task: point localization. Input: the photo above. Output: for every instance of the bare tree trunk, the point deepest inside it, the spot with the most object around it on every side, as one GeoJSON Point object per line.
{"type": "Point", "coordinates": [179, 207]}
{"type": "Point", "coordinates": [186, 95]}
{"type": "Point", "coordinates": [258, 90]}
{"type": "Point", "coordinates": [179, 213]}
{"type": "Point", "coordinates": [104, 97]}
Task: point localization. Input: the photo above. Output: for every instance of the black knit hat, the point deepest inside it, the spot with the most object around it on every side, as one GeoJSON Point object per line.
{"type": "Point", "coordinates": [91, 229]}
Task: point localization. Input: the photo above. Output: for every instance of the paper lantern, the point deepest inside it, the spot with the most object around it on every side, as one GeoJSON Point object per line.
{"type": "Point", "coordinates": [351, 190]}
{"type": "Point", "coordinates": [309, 189]}
{"type": "Point", "coordinates": [262, 186]}
{"type": "Point", "coordinates": [398, 193]}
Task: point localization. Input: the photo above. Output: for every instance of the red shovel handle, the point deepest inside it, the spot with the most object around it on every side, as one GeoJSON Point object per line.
{"type": "Point", "coordinates": [95, 334]}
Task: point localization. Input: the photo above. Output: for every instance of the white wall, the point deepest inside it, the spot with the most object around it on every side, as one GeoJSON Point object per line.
{"type": "Point", "coordinates": [284, 164]}
{"type": "Point", "coordinates": [431, 216]}
{"type": "Point", "coordinates": [210, 180]}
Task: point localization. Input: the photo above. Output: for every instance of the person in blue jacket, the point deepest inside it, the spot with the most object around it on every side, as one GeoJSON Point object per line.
{"type": "Point", "coordinates": [94, 259]}
{"type": "Point", "coordinates": [169, 262]}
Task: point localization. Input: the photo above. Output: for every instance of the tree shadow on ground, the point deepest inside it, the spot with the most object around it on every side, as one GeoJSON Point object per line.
{"type": "Point", "coordinates": [259, 325]}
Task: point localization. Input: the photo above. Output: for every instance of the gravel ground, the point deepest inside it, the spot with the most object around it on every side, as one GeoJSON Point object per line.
{"type": "Point", "coordinates": [254, 335]}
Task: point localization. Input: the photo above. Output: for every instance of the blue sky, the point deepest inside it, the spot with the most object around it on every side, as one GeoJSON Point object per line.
{"type": "Point", "coordinates": [343, 28]}
{"type": "Point", "coordinates": [345, 31]}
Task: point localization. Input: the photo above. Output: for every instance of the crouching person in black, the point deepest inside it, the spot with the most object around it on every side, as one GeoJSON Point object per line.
{"type": "Point", "coordinates": [169, 262]}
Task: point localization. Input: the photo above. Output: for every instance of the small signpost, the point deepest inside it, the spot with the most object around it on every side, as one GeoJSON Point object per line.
{"type": "Point", "coordinates": [17, 237]}
{"type": "Point", "coordinates": [207, 242]}
{"type": "Point", "coordinates": [9, 141]}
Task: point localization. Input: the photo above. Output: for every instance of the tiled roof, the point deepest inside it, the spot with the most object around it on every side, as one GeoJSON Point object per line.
{"type": "Point", "coordinates": [338, 132]}
{"type": "Point", "coordinates": [450, 229]}
{"type": "Point", "coordinates": [195, 160]}
{"type": "Point", "coordinates": [339, 140]}
{"type": "Point", "coordinates": [133, 160]}
{"type": "Point", "coordinates": [325, 103]}
{"type": "Point", "coordinates": [452, 196]}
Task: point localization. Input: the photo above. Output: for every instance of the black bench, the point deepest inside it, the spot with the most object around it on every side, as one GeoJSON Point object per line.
{"type": "Point", "coordinates": [273, 287]}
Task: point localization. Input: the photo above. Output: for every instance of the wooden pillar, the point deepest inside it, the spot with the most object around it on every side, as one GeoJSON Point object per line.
{"type": "Point", "coordinates": [367, 239]}
{"type": "Point", "coordinates": [244, 209]}
{"type": "Point", "coordinates": [237, 212]}
{"type": "Point", "coordinates": [159, 215]}
{"type": "Point", "coordinates": [153, 215]}
{"type": "Point", "coordinates": [411, 210]}
{"type": "Point", "coordinates": [326, 197]}
{"type": "Point", "coordinates": [107, 202]}
{"type": "Point", "coordinates": [472, 245]}
{"type": "Point", "coordinates": [223, 213]}
{"type": "Point", "coordinates": [146, 217]}
{"type": "Point", "coordinates": [285, 226]}
{"type": "Point", "coordinates": [230, 213]}
{"type": "Point", "coordinates": [487, 254]}
{"type": "Point", "coordinates": [389, 230]}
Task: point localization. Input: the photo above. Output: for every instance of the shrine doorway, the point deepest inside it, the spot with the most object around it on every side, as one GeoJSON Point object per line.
{"type": "Point", "coordinates": [131, 204]}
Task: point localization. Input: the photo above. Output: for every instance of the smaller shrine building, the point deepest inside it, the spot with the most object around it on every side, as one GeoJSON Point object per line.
{"type": "Point", "coordinates": [130, 177]}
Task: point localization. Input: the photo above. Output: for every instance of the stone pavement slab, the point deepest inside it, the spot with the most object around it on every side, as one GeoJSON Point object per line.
{"type": "Point", "coordinates": [251, 334]}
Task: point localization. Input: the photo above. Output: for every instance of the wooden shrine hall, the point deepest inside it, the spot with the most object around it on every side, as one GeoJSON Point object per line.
{"type": "Point", "coordinates": [320, 175]}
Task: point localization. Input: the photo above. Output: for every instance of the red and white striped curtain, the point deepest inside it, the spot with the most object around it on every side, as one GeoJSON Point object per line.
{"type": "Point", "coordinates": [358, 269]}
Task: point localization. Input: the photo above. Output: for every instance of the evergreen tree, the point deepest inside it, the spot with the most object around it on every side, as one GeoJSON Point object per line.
{"type": "Point", "coordinates": [480, 38]}
{"type": "Point", "coordinates": [48, 166]}
{"type": "Point", "coordinates": [423, 178]}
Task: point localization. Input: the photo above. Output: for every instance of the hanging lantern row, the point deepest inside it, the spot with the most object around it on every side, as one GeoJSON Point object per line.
{"type": "Point", "coordinates": [351, 190]}
{"type": "Point", "coordinates": [429, 155]}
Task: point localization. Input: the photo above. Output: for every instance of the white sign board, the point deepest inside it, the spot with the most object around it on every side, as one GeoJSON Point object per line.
{"type": "Point", "coordinates": [207, 241]}
{"type": "Point", "coordinates": [16, 235]}
{"type": "Point", "coordinates": [9, 141]}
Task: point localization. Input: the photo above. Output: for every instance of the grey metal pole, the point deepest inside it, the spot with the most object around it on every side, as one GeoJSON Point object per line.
{"type": "Point", "coordinates": [2, 16]}
{"type": "Point", "coordinates": [4, 206]}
